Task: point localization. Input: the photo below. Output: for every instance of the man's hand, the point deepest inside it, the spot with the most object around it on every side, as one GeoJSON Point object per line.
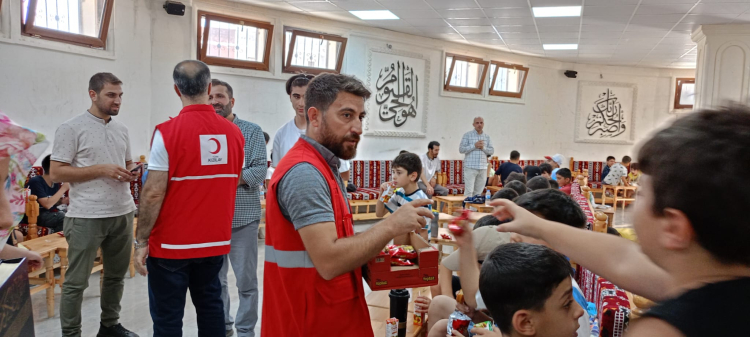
{"type": "Point", "coordinates": [523, 222]}
{"type": "Point", "coordinates": [479, 144]}
{"type": "Point", "coordinates": [433, 182]}
{"type": "Point", "coordinates": [421, 304]}
{"type": "Point", "coordinates": [430, 190]}
{"type": "Point", "coordinates": [409, 217]}
{"type": "Point", "coordinates": [140, 260]}
{"type": "Point", "coordinates": [115, 172]}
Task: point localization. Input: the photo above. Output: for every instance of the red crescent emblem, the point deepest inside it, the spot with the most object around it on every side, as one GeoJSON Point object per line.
{"type": "Point", "coordinates": [218, 146]}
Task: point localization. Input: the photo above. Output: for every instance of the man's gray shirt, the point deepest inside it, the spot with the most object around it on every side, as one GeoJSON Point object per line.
{"type": "Point", "coordinates": [303, 194]}
{"type": "Point", "coordinates": [247, 202]}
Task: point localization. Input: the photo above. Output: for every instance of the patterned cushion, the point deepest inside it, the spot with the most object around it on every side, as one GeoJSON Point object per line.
{"type": "Point", "coordinates": [612, 305]}
{"type": "Point", "coordinates": [454, 169]}
{"type": "Point", "coordinates": [364, 194]}
{"type": "Point", "coordinates": [40, 231]}
{"type": "Point", "coordinates": [455, 189]}
{"type": "Point", "coordinates": [370, 173]}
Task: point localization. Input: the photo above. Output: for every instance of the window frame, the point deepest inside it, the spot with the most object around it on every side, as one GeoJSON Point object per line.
{"type": "Point", "coordinates": [469, 59]}
{"type": "Point", "coordinates": [498, 65]}
{"type": "Point", "coordinates": [29, 29]}
{"type": "Point", "coordinates": [286, 58]}
{"type": "Point", "coordinates": [678, 92]}
{"type": "Point", "coordinates": [227, 62]}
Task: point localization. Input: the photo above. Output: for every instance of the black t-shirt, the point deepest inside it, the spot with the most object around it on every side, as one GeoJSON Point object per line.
{"type": "Point", "coordinates": [40, 189]}
{"type": "Point", "coordinates": [716, 309]}
{"type": "Point", "coordinates": [505, 169]}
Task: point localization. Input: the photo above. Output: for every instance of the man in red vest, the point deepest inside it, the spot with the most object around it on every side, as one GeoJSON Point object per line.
{"type": "Point", "coordinates": [313, 279]}
{"type": "Point", "coordinates": [187, 205]}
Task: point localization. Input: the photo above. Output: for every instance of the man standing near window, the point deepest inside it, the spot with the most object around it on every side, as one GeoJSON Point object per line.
{"type": "Point", "coordinates": [92, 153]}
{"type": "Point", "coordinates": [243, 254]}
{"type": "Point", "coordinates": [287, 135]}
{"type": "Point", "coordinates": [431, 166]}
{"type": "Point", "coordinates": [185, 220]}
{"type": "Point", "coordinates": [476, 146]}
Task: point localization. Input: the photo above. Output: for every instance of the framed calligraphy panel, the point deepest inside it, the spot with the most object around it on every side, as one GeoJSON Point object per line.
{"type": "Point", "coordinates": [399, 82]}
{"type": "Point", "coordinates": [606, 112]}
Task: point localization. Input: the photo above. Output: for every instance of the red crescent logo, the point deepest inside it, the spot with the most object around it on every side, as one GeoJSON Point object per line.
{"type": "Point", "coordinates": [218, 146]}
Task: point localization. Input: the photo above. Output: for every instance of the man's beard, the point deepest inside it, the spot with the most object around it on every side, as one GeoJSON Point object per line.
{"type": "Point", "coordinates": [107, 110]}
{"type": "Point", "coordinates": [336, 145]}
{"type": "Point", "coordinates": [222, 110]}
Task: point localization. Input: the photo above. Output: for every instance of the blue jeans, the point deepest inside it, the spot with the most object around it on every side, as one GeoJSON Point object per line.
{"type": "Point", "coordinates": [168, 282]}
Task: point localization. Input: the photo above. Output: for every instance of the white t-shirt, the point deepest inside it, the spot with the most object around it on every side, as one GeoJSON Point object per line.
{"type": "Point", "coordinates": [159, 158]}
{"type": "Point", "coordinates": [429, 166]}
{"type": "Point", "coordinates": [584, 330]}
{"type": "Point", "coordinates": [286, 136]}
{"type": "Point", "coordinates": [616, 172]}
{"type": "Point", "coordinates": [343, 165]}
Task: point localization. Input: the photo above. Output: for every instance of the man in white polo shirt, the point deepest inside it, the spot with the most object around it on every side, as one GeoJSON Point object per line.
{"type": "Point", "coordinates": [431, 166]}
{"type": "Point", "coordinates": [287, 135]}
{"type": "Point", "coordinates": [92, 153]}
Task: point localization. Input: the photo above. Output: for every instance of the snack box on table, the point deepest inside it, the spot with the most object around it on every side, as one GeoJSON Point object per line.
{"type": "Point", "coordinates": [382, 276]}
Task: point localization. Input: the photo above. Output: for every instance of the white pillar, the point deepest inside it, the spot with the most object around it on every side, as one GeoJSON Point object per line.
{"type": "Point", "coordinates": [722, 73]}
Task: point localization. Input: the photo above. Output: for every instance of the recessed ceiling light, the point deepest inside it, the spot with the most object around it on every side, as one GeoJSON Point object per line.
{"type": "Point", "coordinates": [375, 15]}
{"type": "Point", "coordinates": [560, 46]}
{"type": "Point", "coordinates": [551, 12]}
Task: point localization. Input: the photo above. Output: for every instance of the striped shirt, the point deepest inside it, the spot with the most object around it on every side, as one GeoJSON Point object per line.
{"type": "Point", "coordinates": [399, 199]}
{"type": "Point", "coordinates": [476, 158]}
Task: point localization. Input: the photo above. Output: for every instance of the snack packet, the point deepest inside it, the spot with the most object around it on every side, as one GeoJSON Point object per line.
{"type": "Point", "coordinates": [460, 296]}
{"type": "Point", "coordinates": [460, 322]}
{"type": "Point", "coordinates": [391, 327]}
{"type": "Point", "coordinates": [401, 262]}
{"type": "Point", "coordinates": [386, 196]}
{"type": "Point", "coordinates": [403, 252]}
{"type": "Point", "coordinates": [483, 325]}
{"type": "Point", "coordinates": [454, 227]}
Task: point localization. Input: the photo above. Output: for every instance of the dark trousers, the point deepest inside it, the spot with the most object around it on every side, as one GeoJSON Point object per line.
{"type": "Point", "coordinates": [52, 220]}
{"type": "Point", "coordinates": [168, 282]}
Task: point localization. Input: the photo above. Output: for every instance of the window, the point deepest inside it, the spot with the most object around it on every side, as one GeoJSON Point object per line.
{"type": "Point", "coordinates": [82, 22]}
{"type": "Point", "coordinates": [234, 42]}
{"type": "Point", "coordinates": [684, 96]}
{"type": "Point", "coordinates": [312, 53]}
{"type": "Point", "coordinates": [507, 80]}
{"type": "Point", "coordinates": [465, 74]}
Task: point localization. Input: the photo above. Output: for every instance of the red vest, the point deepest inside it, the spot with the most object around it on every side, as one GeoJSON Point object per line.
{"type": "Point", "coordinates": [205, 159]}
{"type": "Point", "coordinates": [297, 301]}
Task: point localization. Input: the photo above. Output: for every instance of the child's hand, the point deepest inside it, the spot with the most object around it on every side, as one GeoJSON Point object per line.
{"type": "Point", "coordinates": [34, 259]}
{"type": "Point", "coordinates": [523, 222]}
{"type": "Point", "coordinates": [485, 332]}
{"type": "Point", "coordinates": [456, 334]}
{"type": "Point", "coordinates": [466, 238]}
{"type": "Point", "coordinates": [469, 311]}
{"type": "Point", "coordinates": [384, 186]}
{"type": "Point", "coordinates": [421, 304]}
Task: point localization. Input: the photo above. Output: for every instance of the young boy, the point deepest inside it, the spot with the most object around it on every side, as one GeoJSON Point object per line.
{"type": "Point", "coordinates": [406, 170]}
{"type": "Point", "coordinates": [564, 177]}
{"type": "Point", "coordinates": [546, 170]}
{"type": "Point", "coordinates": [693, 256]}
{"type": "Point", "coordinates": [605, 171]}
{"type": "Point", "coordinates": [538, 183]}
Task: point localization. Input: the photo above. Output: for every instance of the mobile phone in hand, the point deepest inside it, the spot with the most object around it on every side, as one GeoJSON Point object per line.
{"type": "Point", "coordinates": [136, 168]}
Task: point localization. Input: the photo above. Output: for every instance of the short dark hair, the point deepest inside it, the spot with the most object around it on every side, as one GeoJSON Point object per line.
{"type": "Point", "coordinates": [553, 205]}
{"type": "Point", "coordinates": [517, 186]}
{"type": "Point", "coordinates": [487, 220]}
{"type": "Point", "coordinates": [409, 162]}
{"type": "Point", "coordinates": [531, 171]}
{"type": "Point", "coordinates": [613, 231]}
{"type": "Point", "coordinates": [518, 276]}
{"type": "Point", "coordinates": [324, 88]}
{"type": "Point", "coordinates": [565, 173]}
{"type": "Point", "coordinates": [45, 164]}
{"type": "Point", "coordinates": [515, 176]}
{"type": "Point", "coordinates": [610, 158]}
{"type": "Point", "coordinates": [545, 168]}
{"type": "Point", "coordinates": [691, 155]}
{"type": "Point", "coordinates": [553, 184]}
{"type": "Point", "coordinates": [299, 80]}
{"type": "Point", "coordinates": [432, 145]}
{"type": "Point", "coordinates": [403, 151]}
{"type": "Point", "coordinates": [514, 155]}
{"type": "Point", "coordinates": [230, 91]}
{"type": "Point", "coordinates": [97, 82]}
{"type": "Point", "coordinates": [626, 159]}
{"type": "Point", "coordinates": [191, 77]}
{"type": "Point", "coordinates": [538, 183]}
{"type": "Point", "coordinates": [635, 166]}
{"type": "Point", "coordinates": [266, 136]}
{"type": "Point", "coordinates": [505, 193]}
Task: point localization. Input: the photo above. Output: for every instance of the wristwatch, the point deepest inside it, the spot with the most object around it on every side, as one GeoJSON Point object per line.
{"type": "Point", "coordinates": [139, 245]}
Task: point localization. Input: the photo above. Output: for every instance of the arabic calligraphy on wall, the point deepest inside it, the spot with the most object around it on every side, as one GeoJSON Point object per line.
{"type": "Point", "coordinates": [606, 119]}
{"type": "Point", "coordinates": [606, 112]}
{"type": "Point", "coordinates": [399, 81]}
{"type": "Point", "coordinates": [397, 94]}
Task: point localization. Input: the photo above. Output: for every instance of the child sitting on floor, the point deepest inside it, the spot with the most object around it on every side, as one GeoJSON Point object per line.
{"type": "Point", "coordinates": [406, 170]}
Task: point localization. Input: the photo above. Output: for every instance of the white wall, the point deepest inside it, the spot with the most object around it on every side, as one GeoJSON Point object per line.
{"type": "Point", "coordinates": [543, 125]}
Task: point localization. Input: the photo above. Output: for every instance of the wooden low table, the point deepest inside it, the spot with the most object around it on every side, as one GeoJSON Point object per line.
{"type": "Point", "coordinates": [480, 208]}
{"type": "Point", "coordinates": [494, 189]}
{"type": "Point", "coordinates": [47, 246]}
{"type": "Point", "coordinates": [439, 241]}
{"type": "Point", "coordinates": [450, 203]}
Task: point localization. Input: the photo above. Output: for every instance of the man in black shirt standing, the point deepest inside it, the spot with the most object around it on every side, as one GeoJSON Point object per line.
{"type": "Point", "coordinates": [49, 195]}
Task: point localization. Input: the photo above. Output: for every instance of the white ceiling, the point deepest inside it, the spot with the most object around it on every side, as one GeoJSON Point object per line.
{"type": "Point", "coordinates": [650, 33]}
